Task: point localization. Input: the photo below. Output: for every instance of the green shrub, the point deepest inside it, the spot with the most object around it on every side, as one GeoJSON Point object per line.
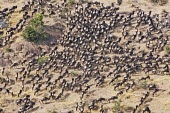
{"type": "Point", "coordinates": [117, 106]}
{"type": "Point", "coordinates": [167, 49]}
{"type": "Point", "coordinates": [37, 20]}
{"type": "Point", "coordinates": [30, 34]}
{"type": "Point", "coordinates": [35, 31]}
{"type": "Point", "coordinates": [42, 60]}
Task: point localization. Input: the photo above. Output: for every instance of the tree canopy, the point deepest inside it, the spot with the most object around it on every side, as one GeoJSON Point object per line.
{"type": "Point", "coordinates": [37, 21]}
{"type": "Point", "coordinates": [35, 31]}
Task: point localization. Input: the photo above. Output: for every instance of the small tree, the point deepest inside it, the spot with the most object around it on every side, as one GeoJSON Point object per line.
{"type": "Point", "coordinates": [37, 21]}
{"type": "Point", "coordinates": [35, 31]}
{"type": "Point", "coordinates": [30, 34]}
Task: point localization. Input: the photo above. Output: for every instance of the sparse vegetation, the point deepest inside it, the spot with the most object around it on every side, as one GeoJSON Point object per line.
{"type": "Point", "coordinates": [53, 112]}
{"type": "Point", "coordinates": [2, 80]}
{"type": "Point", "coordinates": [161, 2]}
{"type": "Point", "coordinates": [70, 3]}
{"type": "Point", "coordinates": [73, 73]}
{"type": "Point", "coordinates": [143, 51]}
{"type": "Point", "coordinates": [7, 49]}
{"type": "Point", "coordinates": [35, 31]}
{"type": "Point", "coordinates": [42, 60]}
{"type": "Point", "coordinates": [117, 106]}
{"type": "Point", "coordinates": [167, 49]}
{"type": "Point", "coordinates": [64, 10]}
{"type": "Point", "coordinates": [143, 84]}
{"type": "Point", "coordinates": [70, 15]}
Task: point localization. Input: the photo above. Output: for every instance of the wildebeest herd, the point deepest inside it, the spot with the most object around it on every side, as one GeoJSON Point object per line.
{"type": "Point", "coordinates": [103, 45]}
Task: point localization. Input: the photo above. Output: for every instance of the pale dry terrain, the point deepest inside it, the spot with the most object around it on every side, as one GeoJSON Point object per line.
{"type": "Point", "coordinates": [160, 103]}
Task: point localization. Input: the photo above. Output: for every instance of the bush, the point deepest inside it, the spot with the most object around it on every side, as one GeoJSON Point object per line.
{"type": "Point", "coordinates": [42, 60]}
{"type": "Point", "coordinates": [30, 34]}
{"type": "Point", "coordinates": [35, 31]}
{"type": "Point", "coordinates": [167, 49]}
{"type": "Point", "coordinates": [37, 21]}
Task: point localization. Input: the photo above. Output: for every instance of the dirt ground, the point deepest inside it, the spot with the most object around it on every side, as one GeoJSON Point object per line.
{"type": "Point", "coordinates": [160, 103]}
